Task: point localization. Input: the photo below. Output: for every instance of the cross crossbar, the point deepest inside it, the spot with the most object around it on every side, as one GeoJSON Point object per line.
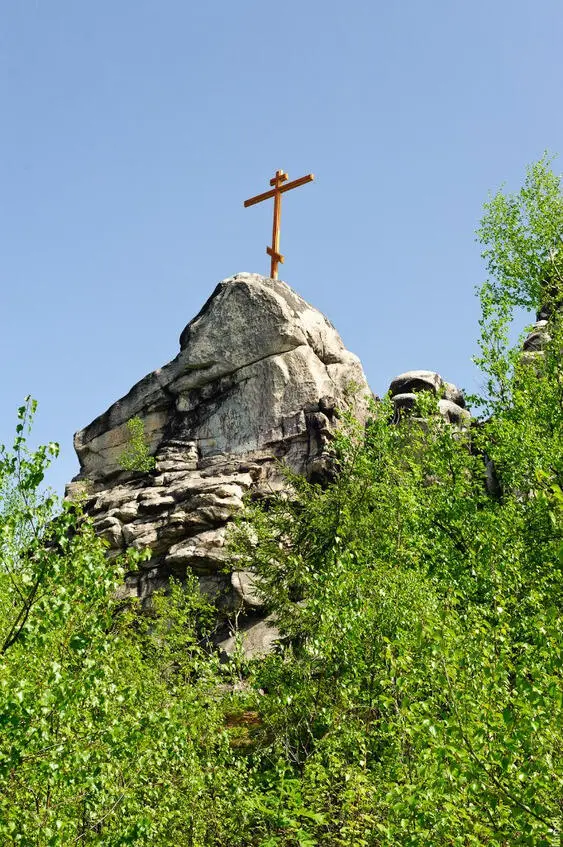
{"type": "Point", "coordinates": [268, 194]}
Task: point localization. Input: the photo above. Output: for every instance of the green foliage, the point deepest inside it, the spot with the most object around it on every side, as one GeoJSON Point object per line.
{"type": "Point", "coordinates": [136, 456]}
{"type": "Point", "coordinates": [111, 721]}
{"type": "Point", "coordinates": [424, 653]}
{"type": "Point", "coordinates": [522, 238]}
{"type": "Point", "coordinates": [417, 695]}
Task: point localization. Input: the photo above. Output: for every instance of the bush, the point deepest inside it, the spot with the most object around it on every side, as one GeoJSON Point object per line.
{"type": "Point", "coordinates": [136, 456]}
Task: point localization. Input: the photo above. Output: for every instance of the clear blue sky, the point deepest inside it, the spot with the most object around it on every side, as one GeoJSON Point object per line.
{"type": "Point", "coordinates": [132, 131]}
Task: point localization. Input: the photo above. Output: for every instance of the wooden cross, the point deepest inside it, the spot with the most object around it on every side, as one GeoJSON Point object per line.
{"type": "Point", "coordinates": [276, 192]}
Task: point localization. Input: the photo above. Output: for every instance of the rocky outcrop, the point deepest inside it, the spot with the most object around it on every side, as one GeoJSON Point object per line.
{"type": "Point", "coordinates": [552, 305]}
{"type": "Point", "coordinates": [536, 338]}
{"type": "Point", "coordinates": [259, 379]}
{"type": "Point", "coordinates": [450, 401]}
{"type": "Point", "coordinates": [258, 382]}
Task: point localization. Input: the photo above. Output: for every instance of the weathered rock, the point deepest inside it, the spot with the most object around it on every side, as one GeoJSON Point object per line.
{"type": "Point", "coordinates": [110, 529]}
{"type": "Point", "coordinates": [453, 393]}
{"type": "Point", "coordinates": [413, 381]}
{"type": "Point", "coordinates": [257, 638]}
{"type": "Point", "coordinates": [450, 404]}
{"type": "Point", "coordinates": [258, 380]}
{"type": "Point", "coordinates": [204, 551]}
{"type": "Point", "coordinates": [247, 587]}
{"type": "Point", "coordinates": [453, 413]}
{"type": "Point", "coordinates": [115, 497]}
{"type": "Point", "coordinates": [218, 589]}
{"type": "Point", "coordinates": [154, 502]}
{"type": "Point", "coordinates": [537, 338]}
{"type": "Point", "coordinates": [251, 361]}
{"type": "Point", "coordinates": [405, 401]}
{"type": "Point", "coordinates": [125, 513]}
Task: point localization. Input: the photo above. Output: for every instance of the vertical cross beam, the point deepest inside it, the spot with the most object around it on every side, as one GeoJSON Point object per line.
{"type": "Point", "coordinates": [274, 250]}
{"type": "Point", "coordinates": [280, 185]}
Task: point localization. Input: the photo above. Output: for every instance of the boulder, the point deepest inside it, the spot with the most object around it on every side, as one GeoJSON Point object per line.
{"type": "Point", "coordinates": [453, 413]}
{"type": "Point", "coordinates": [453, 393]}
{"type": "Point", "coordinates": [250, 363]}
{"type": "Point", "coordinates": [413, 381]}
{"type": "Point", "coordinates": [247, 588]}
{"type": "Point", "coordinates": [256, 638]}
{"type": "Point", "coordinates": [450, 404]}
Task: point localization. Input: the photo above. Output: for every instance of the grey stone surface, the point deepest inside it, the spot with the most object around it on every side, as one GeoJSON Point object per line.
{"type": "Point", "coordinates": [453, 413]}
{"type": "Point", "coordinates": [537, 338]}
{"type": "Point", "coordinates": [247, 588]}
{"type": "Point", "coordinates": [450, 403]}
{"type": "Point", "coordinates": [258, 380]}
{"type": "Point", "coordinates": [413, 381]}
{"type": "Point", "coordinates": [406, 400]}
{"type": "Point", "coordinates": [254, 358]}
{"type": "Point", "coordinates": [256, 639]}
{"type": "Point", "coordinates": [453, 393]}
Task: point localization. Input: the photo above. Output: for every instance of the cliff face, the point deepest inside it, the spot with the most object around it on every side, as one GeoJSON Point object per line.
{"type": "Point", "coordinates": [258, 379]}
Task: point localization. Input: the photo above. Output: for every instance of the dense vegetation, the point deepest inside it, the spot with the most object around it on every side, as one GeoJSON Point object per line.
{"type": "Point", "coordinates": [417, 695]}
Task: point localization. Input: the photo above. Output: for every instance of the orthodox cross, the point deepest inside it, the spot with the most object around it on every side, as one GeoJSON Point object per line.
{"type": "Point", "coordinates": [276, 192]}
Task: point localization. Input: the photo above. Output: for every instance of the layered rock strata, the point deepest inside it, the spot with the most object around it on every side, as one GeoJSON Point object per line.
{"type": "Point", "coordinates": [258, 380]}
